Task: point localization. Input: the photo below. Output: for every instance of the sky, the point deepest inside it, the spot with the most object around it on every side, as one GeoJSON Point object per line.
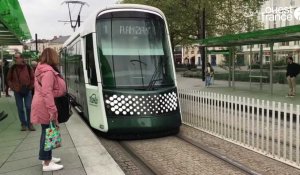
{"type": "Point", "coordinates": [42, 16]}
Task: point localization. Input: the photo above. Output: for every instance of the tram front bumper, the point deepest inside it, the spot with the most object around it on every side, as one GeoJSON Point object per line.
{"type": "Point", "coordinates": [145, 124]}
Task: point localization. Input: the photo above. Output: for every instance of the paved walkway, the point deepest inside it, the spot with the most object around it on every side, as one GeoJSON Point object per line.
{"type": "Point", "coordinates": [241, 89]}
{"type": "Point", "coordinates": [81, 153]}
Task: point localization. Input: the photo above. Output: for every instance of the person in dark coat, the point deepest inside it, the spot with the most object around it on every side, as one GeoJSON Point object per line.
{"type": "Point", "coordinates": [20, 79]}
{"type": "Point", "coordinates": [292, 71]}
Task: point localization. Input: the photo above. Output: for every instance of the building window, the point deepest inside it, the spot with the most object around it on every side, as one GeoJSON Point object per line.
{"type": "Point", "coordinates": [284, 43]}
{"type": "Point", "coordinates": [267, 59]}
{"type": "Point", "coordinates": [296, 43]}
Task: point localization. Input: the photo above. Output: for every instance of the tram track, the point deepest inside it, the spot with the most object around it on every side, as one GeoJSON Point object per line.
{"type": "Point", "coordinates": [152, 169]}
{"type": "Point", "coordinates": [133, 157]}
{"type": "Point", "coordinates": [128, 160]}
{"type": "Point", "coordinates": [226, 159]}
{"type": "Point", "coordinates": [152, 156]}
{"type": "Point", "coordinates": [142, 164]}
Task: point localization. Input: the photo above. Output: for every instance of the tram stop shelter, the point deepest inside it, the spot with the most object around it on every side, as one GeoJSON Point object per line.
{"type": "Point", "coordinates": [267, 36]}
{"type": "Point", "coordinates": [13, 26]}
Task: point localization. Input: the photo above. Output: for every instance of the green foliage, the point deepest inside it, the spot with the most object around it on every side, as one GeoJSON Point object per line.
{"type": "Point", "coordinates": [190, 73]}
{"type": "Point", "coordinates": [222, 17]}
{"type": "Point", "coordinates": [267, 66]}
{"type": "Point", "coordinates": [254, 66]}
{"type": "Point", "coordinates": [280, 63]}
{"type": "Point", "coordinates": [243, 76]}
{"type": "Point", "coordinates": [30, 54]}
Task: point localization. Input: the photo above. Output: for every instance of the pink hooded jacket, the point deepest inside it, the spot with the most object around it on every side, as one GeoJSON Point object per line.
{"type": "Point", "coordinates": [43, 100]}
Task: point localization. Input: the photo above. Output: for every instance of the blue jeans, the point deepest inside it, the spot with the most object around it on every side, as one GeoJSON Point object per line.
{"type": "Point", "coordinates": [44, 155]}
{"type": "Point", "coordinates": [20, 99]}
{"type": "Point", "coordinates": [207, 80]}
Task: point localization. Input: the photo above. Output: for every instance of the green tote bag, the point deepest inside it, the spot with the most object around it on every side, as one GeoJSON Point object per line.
{"type": "Point", "coordinates": [52, 138]}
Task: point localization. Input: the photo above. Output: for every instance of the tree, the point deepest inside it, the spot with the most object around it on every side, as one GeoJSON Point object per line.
{"type": "Point", "coordinates": [222, 17]}
{"type": "Point", "coordinates": [179, 25]}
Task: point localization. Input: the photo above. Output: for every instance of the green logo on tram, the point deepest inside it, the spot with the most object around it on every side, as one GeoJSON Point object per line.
{"type": "Point", "coordinates": [93, 99]}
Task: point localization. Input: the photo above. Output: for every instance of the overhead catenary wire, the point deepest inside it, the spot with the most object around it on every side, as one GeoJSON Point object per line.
{"type": "Point", "coordinates": [70, 10]}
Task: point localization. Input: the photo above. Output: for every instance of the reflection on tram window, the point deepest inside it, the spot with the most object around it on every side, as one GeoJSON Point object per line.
{"type": "Point", "coordinates": [91, 68]}
{"type": "Point", "coordinates": [134, 52]}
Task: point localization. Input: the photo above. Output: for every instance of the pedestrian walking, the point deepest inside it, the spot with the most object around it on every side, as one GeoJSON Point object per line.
{"type": "Point", "coordinates": [209, 72]}
{"type": "Point", "coordinates": [48, 85]}
{"type": "Point", "coordinates": [20, 79]}
{"type": "Point", "coordinates": [292, 71]}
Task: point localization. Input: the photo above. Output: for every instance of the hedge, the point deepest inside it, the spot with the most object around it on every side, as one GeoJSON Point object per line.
{"type": "Point", "coordinates": [278, 77]}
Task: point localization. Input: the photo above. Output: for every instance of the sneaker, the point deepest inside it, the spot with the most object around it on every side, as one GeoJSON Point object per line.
{"type": "Point", "coordinates": [31, 128]}
{"type": "Point", "coordinates": [52, 167]}
{"type": "Point", "coordinates": [23, 128]}
{"type": "Point", "coordinates": [2, 117]}
{"type": "Point", "coordinates": [54, 160]}
{"type": "Point", "coordinates": [2, 113]}
{"type": "Point", "coordinates": [289, 95]}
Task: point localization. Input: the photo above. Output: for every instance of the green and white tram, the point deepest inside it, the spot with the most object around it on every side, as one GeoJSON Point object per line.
{"type": "Point", "coordinates": [120, 71]}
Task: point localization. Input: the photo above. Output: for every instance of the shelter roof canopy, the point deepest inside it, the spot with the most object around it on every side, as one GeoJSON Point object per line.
{"type": "Point", "coordinates": [13, 26]}
{"type": "Point", "coordinates": [282, 34]}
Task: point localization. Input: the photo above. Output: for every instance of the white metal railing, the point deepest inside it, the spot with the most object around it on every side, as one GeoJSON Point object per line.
{"type": "Point", "coordinates": [267, 127]}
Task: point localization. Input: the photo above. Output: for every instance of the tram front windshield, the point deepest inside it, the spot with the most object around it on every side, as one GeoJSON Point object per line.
{"type": "Point", "coordinates": [134, 51]}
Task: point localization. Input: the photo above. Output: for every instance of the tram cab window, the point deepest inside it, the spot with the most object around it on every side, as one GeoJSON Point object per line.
{"type": "Point", "coordinates": [90, 61]}
{"type": "Point", "coordinates": [134, 51]}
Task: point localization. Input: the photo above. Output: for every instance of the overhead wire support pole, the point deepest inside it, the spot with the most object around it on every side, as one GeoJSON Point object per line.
{"type": "Point", "coordinates": [2, 72]}
{"type": "Point", "coordinates": [77, 21]}
{"type": "Point", "coordinates": [202, 49]}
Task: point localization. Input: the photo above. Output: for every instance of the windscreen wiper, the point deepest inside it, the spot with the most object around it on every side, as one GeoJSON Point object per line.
{"type": "Point", "coordinates": [141, 62]}
{"type": "Point", "coordinates": [155, 77]}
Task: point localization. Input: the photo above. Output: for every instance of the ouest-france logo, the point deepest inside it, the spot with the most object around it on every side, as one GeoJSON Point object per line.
{"type": "Point", "coordinates": [297, 13]}
{"type": "Point", "coordinates": [281, 14]}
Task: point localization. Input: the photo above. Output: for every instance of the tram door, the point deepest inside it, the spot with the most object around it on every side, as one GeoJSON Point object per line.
{"type": "Point", "coordinates": [94, 98]}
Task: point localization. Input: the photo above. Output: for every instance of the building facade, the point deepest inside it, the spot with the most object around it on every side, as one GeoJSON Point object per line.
{"type": "Point", "coordinates": [275, 14]}
{"type": "Point", "coordinates": [56, 43]}
{"type": "Point", "coordinates": [191, 55]}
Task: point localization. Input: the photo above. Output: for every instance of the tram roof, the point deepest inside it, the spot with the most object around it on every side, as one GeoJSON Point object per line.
{"type": "Point", "coordinates": [13, 26]}
{"type": "Point", "coordinates": [89, 26]}
{"type": "Point", "coordinates": [282, 34]}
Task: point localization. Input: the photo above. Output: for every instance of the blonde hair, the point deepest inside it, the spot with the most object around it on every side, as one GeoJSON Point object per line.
{"type": "Point", "coordinates": [49, 56]}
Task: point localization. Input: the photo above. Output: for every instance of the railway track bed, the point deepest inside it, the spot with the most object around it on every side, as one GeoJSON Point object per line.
{"type": "Point", "coordinates": [191, 152]}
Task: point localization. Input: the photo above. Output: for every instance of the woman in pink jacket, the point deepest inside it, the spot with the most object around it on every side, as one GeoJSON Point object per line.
{"type": "Point", "coordinates": [48, 84]}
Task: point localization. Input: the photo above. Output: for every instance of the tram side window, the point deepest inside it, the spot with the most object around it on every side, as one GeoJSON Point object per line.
{"type": "Point", "coordinates": [90, 61]}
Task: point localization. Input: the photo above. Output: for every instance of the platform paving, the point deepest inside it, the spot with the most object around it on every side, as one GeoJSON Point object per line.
{"type": "Point", "coordinates": [81, 153]}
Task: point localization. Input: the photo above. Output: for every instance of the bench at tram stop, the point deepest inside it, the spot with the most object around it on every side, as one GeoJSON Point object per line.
{"type": "Point", "coordinates": [260, 77]}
